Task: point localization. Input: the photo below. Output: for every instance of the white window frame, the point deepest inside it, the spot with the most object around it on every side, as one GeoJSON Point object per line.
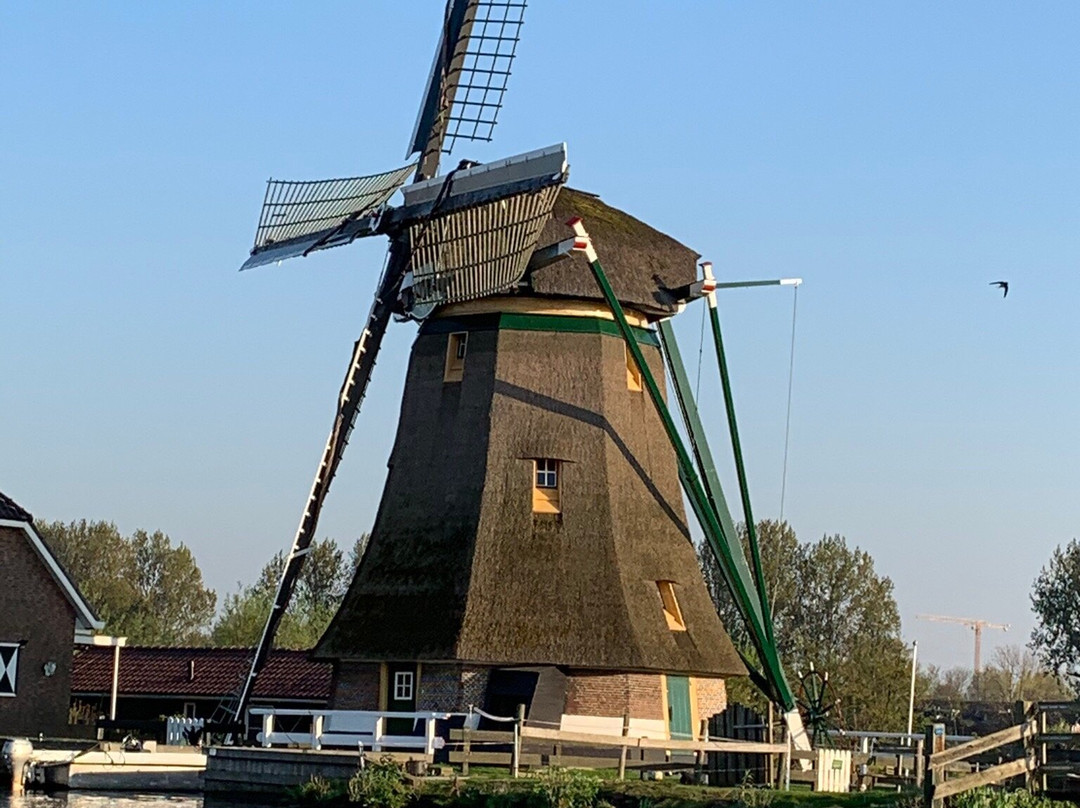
{"type": "Point", "coordinates": [404, 685]}
{"type": "Point", "coordinates": [11, 670]}
{"type": "Point", "coordinates": [547, 473]}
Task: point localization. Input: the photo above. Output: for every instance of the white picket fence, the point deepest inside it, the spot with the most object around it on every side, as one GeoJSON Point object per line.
{"type": "Point", "coordinates": [352, 729]}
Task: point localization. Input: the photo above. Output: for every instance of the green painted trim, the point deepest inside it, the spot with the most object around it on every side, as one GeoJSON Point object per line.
{"type": "Point", "coordinates": [561, 323]}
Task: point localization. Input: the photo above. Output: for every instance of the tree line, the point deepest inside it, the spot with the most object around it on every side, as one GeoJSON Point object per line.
{"type": "Point", "coordinates": [149, 589]}
{"type": "Point", "coordinates": [831, 608]}
{"type": "Point", "coordinates": [834, 612]}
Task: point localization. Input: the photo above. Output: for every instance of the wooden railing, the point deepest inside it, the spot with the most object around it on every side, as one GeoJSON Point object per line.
{"type": "Point", "coordinates": [1030, 738]}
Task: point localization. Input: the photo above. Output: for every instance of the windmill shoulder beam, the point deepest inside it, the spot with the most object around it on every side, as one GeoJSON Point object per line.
{"type": "Point", "coordinates": [397, 218]}
{"type": "Point", "coordinates": [546, 162]}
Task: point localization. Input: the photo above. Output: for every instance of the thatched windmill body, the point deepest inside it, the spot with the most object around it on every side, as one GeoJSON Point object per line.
{"type": "Point", "coordinates": [530, 545]}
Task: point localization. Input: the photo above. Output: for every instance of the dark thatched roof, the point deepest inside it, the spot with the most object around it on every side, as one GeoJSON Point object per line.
{"type": "Point", "coordinates": [641, 263]}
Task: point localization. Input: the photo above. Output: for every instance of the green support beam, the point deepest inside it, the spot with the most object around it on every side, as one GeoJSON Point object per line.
{"type": "Point", "coordinates": [721, 544]}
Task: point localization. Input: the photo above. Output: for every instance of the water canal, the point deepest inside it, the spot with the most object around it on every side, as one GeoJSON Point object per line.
{"type": "Point", "coordinates": [100, 799]}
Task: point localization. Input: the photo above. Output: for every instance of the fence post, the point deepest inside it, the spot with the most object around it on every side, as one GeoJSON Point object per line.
{"type": "Point", "coordinates": [316, 731]}
{"type": "Point", "coordinates": [429, 737]}
{"type": "Point", "coordinates": [786, 762]}
{"type": "Point", "coordinates": [515, 758]}
{"type": "Point", "coordinates": [920, 762]}
{"type": "Point", "coordinates": [268, 729]}
{"type": "Point", "coordinates": [622, 749]}
{"type": "Point", "coordinates": [1043, 753]}
{"type": "Point", "coordinates": [935, 775]}
{"type": "Point", "coordinates": [702, 755]}
{"type": "Point", "coordinates": [466, 750]}
{"type": "Point", "coordinates": [1024, 710]}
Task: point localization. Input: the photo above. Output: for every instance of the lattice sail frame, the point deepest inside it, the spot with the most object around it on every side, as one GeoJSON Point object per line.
{"type": "Point", "coordinates": [480, 77]}
{"type": "Point", "coordinates": [295, 209]}
{"type": "Point", "coordinates": [483, 250]}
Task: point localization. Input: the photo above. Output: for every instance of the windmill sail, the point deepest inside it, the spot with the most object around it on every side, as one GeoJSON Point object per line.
{"type": "Point", "coordinates": [301, 217]}
{"type": "Point", "coordinates": [478, 251]}
{"type": "Point", "coordinates": [468, 77]}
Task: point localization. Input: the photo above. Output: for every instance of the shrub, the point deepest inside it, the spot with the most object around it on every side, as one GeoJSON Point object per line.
{"type": "Point", "coordinates": [380, 784]}
{"type": "Point", "coordinates": [565, 788]}
{"type": "Point", "coordinates": [318, 790]}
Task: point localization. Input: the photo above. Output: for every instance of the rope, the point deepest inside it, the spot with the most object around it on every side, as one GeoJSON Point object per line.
{"type": "Point", "coordinates": [790, 378]}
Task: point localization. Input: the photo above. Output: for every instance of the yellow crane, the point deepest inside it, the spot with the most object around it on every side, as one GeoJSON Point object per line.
{"type": "Point", "coordinates": [975, 625]}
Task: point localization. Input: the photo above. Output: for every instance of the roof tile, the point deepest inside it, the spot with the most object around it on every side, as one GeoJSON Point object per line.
{"type": "Point", "coordinates": [218, 672]}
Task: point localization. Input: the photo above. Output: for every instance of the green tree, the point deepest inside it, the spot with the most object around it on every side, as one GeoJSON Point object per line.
{"type": "Point", "coordinates": [830, 609]}
{"type": "Point", "coordinates": [1055, 599]}
{"type": "Point", "coordinates": [325, 577]}
{"type": "Point", "coordinates": [142, 586]}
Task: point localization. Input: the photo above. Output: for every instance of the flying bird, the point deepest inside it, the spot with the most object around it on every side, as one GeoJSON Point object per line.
{"type": "Point", "coordinates": [1004, 287]}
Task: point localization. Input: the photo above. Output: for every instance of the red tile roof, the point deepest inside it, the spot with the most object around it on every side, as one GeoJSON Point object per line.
{"type": "Point", "coordinates": [218, 672]}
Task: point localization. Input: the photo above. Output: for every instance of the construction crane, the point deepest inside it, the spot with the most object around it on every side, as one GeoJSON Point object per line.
{"type": "Point", "coordinates": [975, 625]}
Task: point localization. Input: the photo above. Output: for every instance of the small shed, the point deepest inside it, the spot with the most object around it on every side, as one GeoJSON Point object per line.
{"type": "Point", "coordinates": [42, 613]}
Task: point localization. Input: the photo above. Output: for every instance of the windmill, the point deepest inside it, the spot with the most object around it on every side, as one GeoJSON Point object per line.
{"type": "Point", "coordinates": [530, 538]}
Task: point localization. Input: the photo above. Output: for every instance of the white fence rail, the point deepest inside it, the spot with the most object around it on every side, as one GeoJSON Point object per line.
{"type": "Point", "coordinates": [352, 728]}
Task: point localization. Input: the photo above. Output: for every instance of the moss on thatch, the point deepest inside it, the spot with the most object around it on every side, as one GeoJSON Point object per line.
{"type": "Point", "coordinates": [641, 263]}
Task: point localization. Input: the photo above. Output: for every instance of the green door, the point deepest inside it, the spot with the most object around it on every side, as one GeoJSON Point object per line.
{"type": "Point", "coordinates": [678, 699]}
{"type": "Point", "coordinates": [401, 685]}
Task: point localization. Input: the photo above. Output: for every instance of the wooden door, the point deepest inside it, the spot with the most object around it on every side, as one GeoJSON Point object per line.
{"type": "Point", "coordinates": [680, 723]}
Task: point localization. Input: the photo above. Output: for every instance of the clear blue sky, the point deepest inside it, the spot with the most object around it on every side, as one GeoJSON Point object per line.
{"type": "Point", "coordinates": [898, 156]}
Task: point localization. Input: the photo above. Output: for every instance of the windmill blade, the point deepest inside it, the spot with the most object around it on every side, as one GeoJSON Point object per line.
{"type": "Point", "coordinates": [355, 385]}
{"type": "Point", "coordinates": [472, 232]}
{"type": "Point", "coordinates": [300, 217]}
{"type": "Point", "coordinates": [478, 251]}
{"type": "Point", "coordinates": [468, 77]}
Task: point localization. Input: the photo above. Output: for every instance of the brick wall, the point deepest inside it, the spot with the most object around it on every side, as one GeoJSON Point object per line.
{"type": "Point", "coordinates": [355, 686]}
{"type": "Point", "coordinates": [711, 697]}
{"type": "Point", "coordinates": [34, 610]}
{"type": "Point", "coordinates": [613, 694]}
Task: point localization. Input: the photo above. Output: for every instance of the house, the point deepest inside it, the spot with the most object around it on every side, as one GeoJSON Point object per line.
{"type": "Point", "coordinates": [156, 681]}
{"type": "Point", "coordinates": [41, 614]}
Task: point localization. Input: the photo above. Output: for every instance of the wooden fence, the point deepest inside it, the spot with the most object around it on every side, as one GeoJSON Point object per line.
{"type": "Point", "coordinates": [1029, 744]}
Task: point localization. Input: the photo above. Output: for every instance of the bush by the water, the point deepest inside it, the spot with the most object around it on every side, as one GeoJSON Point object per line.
{"type": "Point", "coordinates": [565, 788]}
{"type": "Point", "coordinates": [380, 784]}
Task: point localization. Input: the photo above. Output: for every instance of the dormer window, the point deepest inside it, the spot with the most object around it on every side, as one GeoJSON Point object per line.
{"type": "Point", "coordinates": [456, 348]}
{"type": "Point", "coordinates": [670, 604]}
{"type": "Point", "coordinates": [633, 374]}
{"type": "Point", "coordinates": [546, 473]}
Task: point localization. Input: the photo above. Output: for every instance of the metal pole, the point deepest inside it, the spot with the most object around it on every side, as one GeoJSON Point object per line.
{"type": "Point", "coordinates": [115, 680]}
{"type": "Point", "coordinates": [740, 468]}
{"type": "Point", "coordinates": [911, 695]}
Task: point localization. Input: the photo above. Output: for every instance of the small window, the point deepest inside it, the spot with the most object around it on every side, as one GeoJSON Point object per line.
{"type": "Point", "coordinates": [670, 604]}
{"type": "Point", "coordinates": [9, 665]}
{"type": "Point", "coordinates": [633, 375]}
{"type": "Point", "coordinates": [456, 348]}
{"type": "Point", "coordinates": [403, 685]}
{"type": "Point", "coordinates": [546, 486]}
